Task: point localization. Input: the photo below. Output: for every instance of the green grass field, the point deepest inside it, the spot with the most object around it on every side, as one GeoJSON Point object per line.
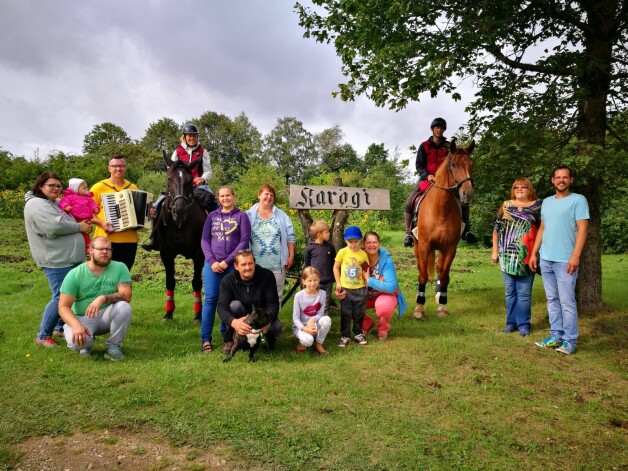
{"type": "Point", "coordinates": [452, 393]}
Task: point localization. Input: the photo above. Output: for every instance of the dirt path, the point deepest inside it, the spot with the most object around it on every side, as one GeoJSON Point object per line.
{"type": "Point", "coordinates": [116, 450]}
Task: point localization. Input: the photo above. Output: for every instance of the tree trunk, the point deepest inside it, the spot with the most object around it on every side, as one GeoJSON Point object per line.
{"type": "Point", "coordinates": [305, 218]}
{"type": "Point", "coordinates": [339, 221]}
{"type": "Point", "coordinates": [591, 132]}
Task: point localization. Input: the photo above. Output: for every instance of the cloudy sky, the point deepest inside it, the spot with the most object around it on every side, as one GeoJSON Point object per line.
{"type": "Point", "coordinates": [67, 65]}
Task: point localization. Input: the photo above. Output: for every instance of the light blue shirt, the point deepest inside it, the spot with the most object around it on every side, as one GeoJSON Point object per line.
{"type": "Point", "coordinates": [559, 218]}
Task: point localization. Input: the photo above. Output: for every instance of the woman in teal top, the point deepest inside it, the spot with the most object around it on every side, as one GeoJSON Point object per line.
{"type": "Point", "coordinates": [514, 232]}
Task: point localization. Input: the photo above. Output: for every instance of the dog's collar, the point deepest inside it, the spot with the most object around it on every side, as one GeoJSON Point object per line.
{"type": "Point", "coordinates": [262, 337]}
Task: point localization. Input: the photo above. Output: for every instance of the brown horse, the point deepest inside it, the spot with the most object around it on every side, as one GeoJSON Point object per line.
{"type": "Point", "coordinates": [439, 223]}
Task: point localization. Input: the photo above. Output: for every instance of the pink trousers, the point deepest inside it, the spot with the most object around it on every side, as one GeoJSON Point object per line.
{"type": "Point", "coordinates": [384, 305]}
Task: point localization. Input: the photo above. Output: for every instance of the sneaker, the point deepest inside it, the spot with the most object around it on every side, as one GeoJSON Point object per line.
{"type": "Point", "coordinates": [568, 348]}
{"type": "Point", "coordinates": [344, 341]}
{"type": "Point", "coordinates": [509, 329]}
{"type": "Point", "coordinates": [408, 241]}
{"type": "Point", "coordinates": [382, 335]}
{"type": "Point", "coordinates": [549, 342]}
{"type": "Point", "coordinates": [360, 339]}
{"type": "Point", "coordinates": [114, 353]}
{"type": "Point", "coordinates": [87, 352]}
{"type": "Point", "coordinates": [523, 331]}
{"type": "Point", "coordinates": [48, 342]}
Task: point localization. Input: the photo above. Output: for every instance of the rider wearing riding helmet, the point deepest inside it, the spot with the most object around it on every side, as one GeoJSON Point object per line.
{"type": "Point", "coordinates": [188, 151]}
{"type": "Point", "coordinates": [431, 154]}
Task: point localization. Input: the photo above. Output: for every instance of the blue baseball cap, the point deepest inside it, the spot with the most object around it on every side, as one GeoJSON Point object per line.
{"type": "Point", "coordinates": [352, 232]}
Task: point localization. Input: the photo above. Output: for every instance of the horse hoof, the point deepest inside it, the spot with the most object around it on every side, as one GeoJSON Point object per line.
{"type": "Point", "coordinates": [442, 312]}
{"type": "Point", "coordinates": [419, 313]}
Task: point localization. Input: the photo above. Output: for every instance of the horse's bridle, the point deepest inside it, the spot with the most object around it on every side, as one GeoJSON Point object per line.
{"type": "Point", "coordinates": [458, 184]}
{"type": "Point", "coordinates": [189, 201]}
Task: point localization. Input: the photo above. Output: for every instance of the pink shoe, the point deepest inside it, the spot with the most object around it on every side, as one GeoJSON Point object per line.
{"type": "Point", "coordinates": [48, 342]}
{"type": "Point", "coordinates": [382, 335]}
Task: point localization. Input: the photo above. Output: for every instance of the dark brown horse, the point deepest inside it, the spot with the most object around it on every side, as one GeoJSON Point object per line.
{"type": "Point", "coordinates": [439, 223]}
{"type": "Point", "coordinates": [180, 227]}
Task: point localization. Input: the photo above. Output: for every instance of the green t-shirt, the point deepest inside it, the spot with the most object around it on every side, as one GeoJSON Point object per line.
{"type": "Point", "coordinates": [86, 286]}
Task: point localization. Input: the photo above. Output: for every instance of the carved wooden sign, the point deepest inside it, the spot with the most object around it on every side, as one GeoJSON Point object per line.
{"type": "Point", "coordinates": [338, 197]}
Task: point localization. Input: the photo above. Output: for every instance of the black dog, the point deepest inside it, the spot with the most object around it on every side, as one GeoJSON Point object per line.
{"type": "Point", "coordinates": [260, 317]}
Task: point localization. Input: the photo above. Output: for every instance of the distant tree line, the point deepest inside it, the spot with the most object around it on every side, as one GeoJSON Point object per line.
{"type": "Point", "coordinates": [243, 157]}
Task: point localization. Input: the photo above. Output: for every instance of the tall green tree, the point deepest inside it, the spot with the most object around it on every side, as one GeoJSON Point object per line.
{"type": "Point", "coordinates": [558, 63]}
{"type": "Point", "coordinates": [229, 143]}
{"type": "Point", "coordinates": [162, 134]}
{"type": "Point", "coordinates": [332, 154]}
{"type": "Point", "coordinates": [375, 154]}
{"type": "Point", "coordinates": [289, 146]}
{"type": "Point", "coordinates": [104, 137]}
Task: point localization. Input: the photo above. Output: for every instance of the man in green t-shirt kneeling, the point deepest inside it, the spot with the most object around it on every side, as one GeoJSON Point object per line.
{"type": "Point", "coordinates": [95, 299]}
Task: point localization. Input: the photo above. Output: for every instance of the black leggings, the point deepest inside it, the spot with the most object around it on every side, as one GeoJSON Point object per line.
{"type": "Point", "coordinates": [124, 252]}
{"type": "Point", "coordinates": [415, 191]}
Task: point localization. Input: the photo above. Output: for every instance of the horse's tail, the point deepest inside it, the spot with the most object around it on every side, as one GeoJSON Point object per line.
{"type": "Point", "coordinates": [431, 264]}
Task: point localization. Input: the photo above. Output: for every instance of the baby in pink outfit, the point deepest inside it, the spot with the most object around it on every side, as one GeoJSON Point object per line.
{"type": "Point", "coordinates": [77, 201]}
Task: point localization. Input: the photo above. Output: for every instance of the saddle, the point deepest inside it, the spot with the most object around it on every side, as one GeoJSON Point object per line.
{"type": "Point", "coordinates": [416, 204]}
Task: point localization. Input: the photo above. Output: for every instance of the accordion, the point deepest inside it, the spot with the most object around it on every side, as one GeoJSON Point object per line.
{"type": "Point", "coordinates": [127, 209]}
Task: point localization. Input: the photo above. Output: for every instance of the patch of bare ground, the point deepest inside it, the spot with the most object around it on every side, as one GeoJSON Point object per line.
{"type": "Point", "coordinates": [117, 450]}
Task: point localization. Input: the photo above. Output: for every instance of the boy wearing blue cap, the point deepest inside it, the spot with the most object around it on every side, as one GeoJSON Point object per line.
{"type": "Point", "coordinates": [350, 287]}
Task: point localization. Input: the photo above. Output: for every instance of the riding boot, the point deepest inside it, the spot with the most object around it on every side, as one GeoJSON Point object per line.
{"type": "Point", "coordinates": [153, 241]}
{"type": "Point", "coordinates": [468, 236]}
{"type": "Point", "coordinates": [408, 240]}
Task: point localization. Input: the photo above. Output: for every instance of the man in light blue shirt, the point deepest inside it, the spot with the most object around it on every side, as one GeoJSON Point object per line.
{"type": "Point", "coordinates": [561, 238]}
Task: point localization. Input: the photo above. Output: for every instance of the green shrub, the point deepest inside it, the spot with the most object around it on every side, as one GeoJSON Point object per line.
{"type": "Point", "coordinates": [12, 203]}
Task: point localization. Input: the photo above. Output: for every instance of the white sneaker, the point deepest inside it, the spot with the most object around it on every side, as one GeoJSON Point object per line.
{"type": "Point", "coordinates": [344, 341]}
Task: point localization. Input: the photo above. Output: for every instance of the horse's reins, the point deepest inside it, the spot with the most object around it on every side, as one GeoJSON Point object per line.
{"type": "Point", "coordinates": [458, 184]}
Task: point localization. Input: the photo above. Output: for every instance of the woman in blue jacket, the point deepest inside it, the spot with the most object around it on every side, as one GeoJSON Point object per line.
{"type": "Point", "coordinates": [272, 236]}
{"type": "Point", "coordinates": [384, 294]}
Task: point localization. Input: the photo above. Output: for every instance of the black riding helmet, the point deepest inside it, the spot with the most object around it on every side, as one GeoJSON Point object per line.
{"type": "Point", "coordinates": [190, 128]}
{"type": "Point", "coordinates": [438, 122]}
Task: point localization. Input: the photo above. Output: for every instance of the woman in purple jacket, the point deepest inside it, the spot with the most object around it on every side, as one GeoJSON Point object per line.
{"type": "Point", "coordinates": [226, 231]}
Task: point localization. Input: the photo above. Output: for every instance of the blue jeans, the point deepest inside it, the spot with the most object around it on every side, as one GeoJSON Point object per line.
{"type": "Point", "coordinates": [51, 312]}
{"type": "Point", "coordinates": [518, 290]}
{"type": "Point", "coordinates": [560, 290]}
{"type": "Point", "coordinates": [211, 282]}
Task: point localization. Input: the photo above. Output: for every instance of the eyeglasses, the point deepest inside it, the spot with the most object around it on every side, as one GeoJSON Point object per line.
{"type": "Point", "coordinates": [102, 249]}
{"type": "Point", "coordinates": [118, 166]}
{"type": "Point", "coordinates": [53, 185]}
{"type": "Point", "coordinates": [521, 188]}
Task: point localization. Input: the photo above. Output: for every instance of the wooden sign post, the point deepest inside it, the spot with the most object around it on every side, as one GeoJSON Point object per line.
{"type": "Point", "coordinates": [338, 197]}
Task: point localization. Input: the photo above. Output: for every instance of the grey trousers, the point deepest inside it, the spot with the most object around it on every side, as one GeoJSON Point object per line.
{"type": "Point", "coordinates": [114, 319]}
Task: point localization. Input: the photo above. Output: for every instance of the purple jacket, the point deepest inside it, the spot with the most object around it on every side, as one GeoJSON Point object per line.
{"type": "Point", "coordinates": [224, 234]}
